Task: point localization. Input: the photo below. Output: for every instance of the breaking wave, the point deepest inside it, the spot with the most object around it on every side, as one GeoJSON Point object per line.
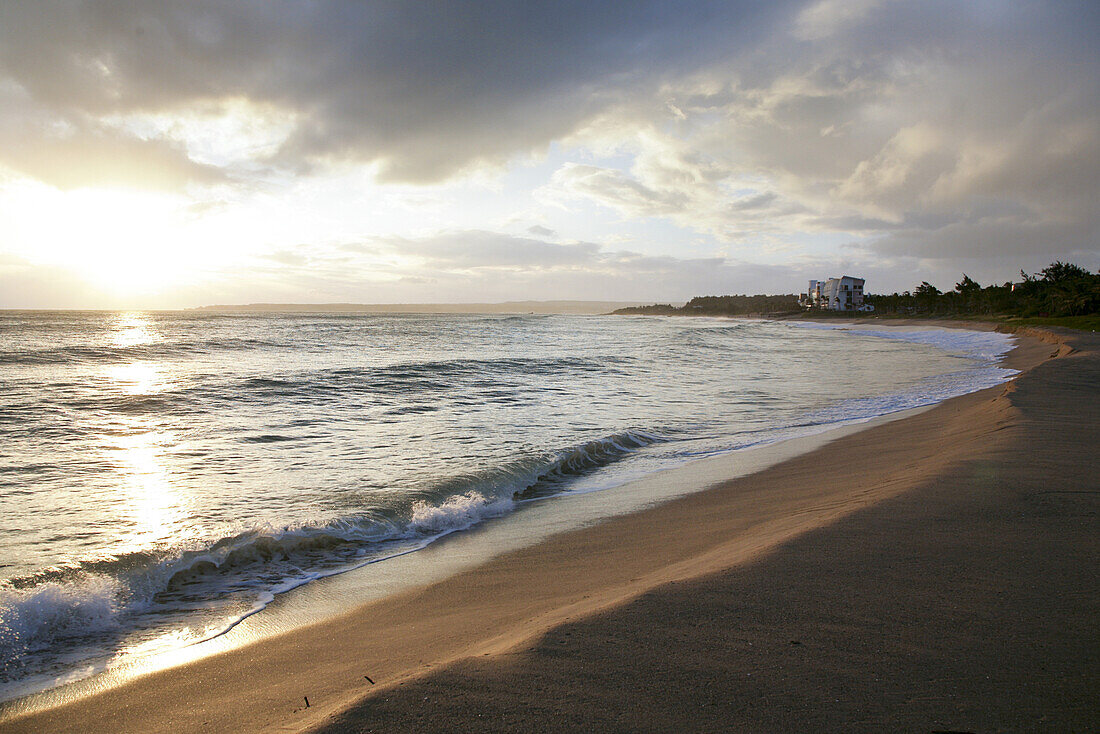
{"type": "Point", "coordinates": [93, 598]}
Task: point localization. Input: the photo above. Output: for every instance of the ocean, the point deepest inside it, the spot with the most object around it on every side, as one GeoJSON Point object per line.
{"type": "Point", "coordinates": [164, 475]}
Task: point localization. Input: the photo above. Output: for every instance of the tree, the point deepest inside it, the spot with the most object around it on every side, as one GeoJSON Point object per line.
{"type": "Point", "coordinates": [969, 294]}
{"type": "Point", "coordinates": [1059, 272]}
{"type": "Point", "coordinates": [926, 296]}
{"type": "Point", "coordinates": [967, 286]}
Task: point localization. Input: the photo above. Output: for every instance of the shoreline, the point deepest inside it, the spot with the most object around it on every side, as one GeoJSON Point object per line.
{"type": "Point", "coordinates": [502, 605]}
{"type": "Point", "coordinates": [349, 587]}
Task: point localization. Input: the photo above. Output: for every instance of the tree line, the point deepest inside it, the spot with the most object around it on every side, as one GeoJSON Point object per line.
{"type": "Point", "coordinates": [1060, 289]}
{"type": "Point", "coordinates": [720, 306]}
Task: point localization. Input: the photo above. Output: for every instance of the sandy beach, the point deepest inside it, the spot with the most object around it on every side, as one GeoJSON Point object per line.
{"type": "Point", "coordinates": [935, 573]}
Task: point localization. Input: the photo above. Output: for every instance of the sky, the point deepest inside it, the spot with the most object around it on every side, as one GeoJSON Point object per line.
{"type": "Point", "coordinates": [169, 155]}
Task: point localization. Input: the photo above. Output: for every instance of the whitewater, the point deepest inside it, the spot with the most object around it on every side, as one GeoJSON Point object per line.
{"type": "Point", "coordinates": [164, 475]}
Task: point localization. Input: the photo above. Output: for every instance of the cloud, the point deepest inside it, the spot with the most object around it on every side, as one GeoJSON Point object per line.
{"type": "Point", "coordinates": [96, 157]}
{"type": "Point", "coordinates": [490, 250]}
{"type": "Point", "coordinates": [288, 257]}
{"type": "Point", "coordinates": [973, 130]}
{"type": "Point", "coordinates": [539, 231]}
{"type": "Point", "coordinates": [451, 266]}
{"type": "Point", "coordinates": [928, 134]}
{"type": "Point", "coordinates": [503, 267]}
{"type": "Point", "coordinates": [422, 90]}
{"type": "Point", "coordinates": [1022, 243]}
{"type": "Point", "coordinates": [825, 17]}
{"type": "Point", "coordinates": [691, 192]}
{"type": "Point", "coordinates": [27, 285]}
{"type": "Point", "coordinates": [617, 190]}
{"type": "Point", "coordinates": [899, 174]}
{"type": "Point", "coordinates": [70, 151]}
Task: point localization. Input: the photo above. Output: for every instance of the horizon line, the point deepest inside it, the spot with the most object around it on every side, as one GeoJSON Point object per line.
{"type": "Point", "coordinates": [544, 306]}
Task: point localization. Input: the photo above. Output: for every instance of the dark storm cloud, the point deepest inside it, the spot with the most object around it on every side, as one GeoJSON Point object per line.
{"type": "Point", "coordinates": [423, 88]}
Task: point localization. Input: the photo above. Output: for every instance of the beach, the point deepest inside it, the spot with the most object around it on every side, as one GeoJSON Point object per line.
{"type": "Point", "coordinates": [937, 572]}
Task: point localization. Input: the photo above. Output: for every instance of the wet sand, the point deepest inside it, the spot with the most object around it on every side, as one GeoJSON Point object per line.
{"type": "Point", "coordinates": [938, 572]}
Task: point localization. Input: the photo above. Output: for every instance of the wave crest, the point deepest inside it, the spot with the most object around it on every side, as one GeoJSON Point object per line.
{"type": "Point", "coordinates": [88, 598]}
{"type": "Point", "coordinates": [36, 618]}
{"type": "Point", "coordinates": [456, 513]}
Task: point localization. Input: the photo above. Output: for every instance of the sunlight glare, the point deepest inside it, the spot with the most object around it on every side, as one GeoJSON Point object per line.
{"type": "Point", "coordinates": [126, 242]}
{"type": "Point", "coordinates": [133, 329]}
{"type": "Point", "coordinates": [138, 378]}
{"type": "Point", "coordinates": [156, 508]}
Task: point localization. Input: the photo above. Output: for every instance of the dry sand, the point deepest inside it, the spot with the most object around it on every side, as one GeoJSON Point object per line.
{"type": "Point", "coordinates": [935, 573]}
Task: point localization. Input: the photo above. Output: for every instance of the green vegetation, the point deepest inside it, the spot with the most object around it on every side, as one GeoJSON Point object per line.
{"type": "Point", "coordinates": [1061, 294]}
{"type": "Point", "coordinates": [720, 306]}
{"type": "Point", "coordinates": [1090, 322]}
{"type": "Point", "coordinates": [1059, 290]}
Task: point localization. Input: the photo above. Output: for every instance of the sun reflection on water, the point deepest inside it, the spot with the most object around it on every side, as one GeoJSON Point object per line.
{"type": "Point", "coordinates": [156, 509]}
{"type": "Point", "coordinates": [133, 329]}
{"type": "Point", "coordinates": [138, 378]}
{"type": "Point", "coordinates": [138, 446]}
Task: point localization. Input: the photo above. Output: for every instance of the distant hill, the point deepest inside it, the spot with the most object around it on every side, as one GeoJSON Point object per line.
{"type": "Point", "coordinates": [563, 307]}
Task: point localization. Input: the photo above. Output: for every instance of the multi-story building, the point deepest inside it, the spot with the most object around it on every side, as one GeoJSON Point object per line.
{"type": "Point", "coordinates": [835, 294]}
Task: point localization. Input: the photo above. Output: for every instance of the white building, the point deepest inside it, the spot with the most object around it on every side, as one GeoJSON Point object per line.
{"type": "Point", "coordinates": [836, 294]}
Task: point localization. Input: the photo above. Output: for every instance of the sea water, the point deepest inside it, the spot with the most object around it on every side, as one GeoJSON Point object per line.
{"type": "Point", "coordinates": [164, 475]}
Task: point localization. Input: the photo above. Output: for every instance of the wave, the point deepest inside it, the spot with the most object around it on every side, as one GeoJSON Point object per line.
{"type": "Point", "coordinates": [164, 349]}
{"type": "Point", "coordinates": [558, 468]}
{"type": "Point", "coordinates": [987, 346]}
{"type": "Point", "coordinates": [272, 438]}
{"type": "Point", "coordinates": [465, 381]}
{"type": "Point", "coordinates": [105, 598]}
{"type": "Point", "coordinates": [493, 380]}
{"type": "Point", "coordinates": [107, 354]}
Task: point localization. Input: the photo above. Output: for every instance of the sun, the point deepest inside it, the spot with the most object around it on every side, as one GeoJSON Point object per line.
{"type": "Point", "coordinates": [123, 242]}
